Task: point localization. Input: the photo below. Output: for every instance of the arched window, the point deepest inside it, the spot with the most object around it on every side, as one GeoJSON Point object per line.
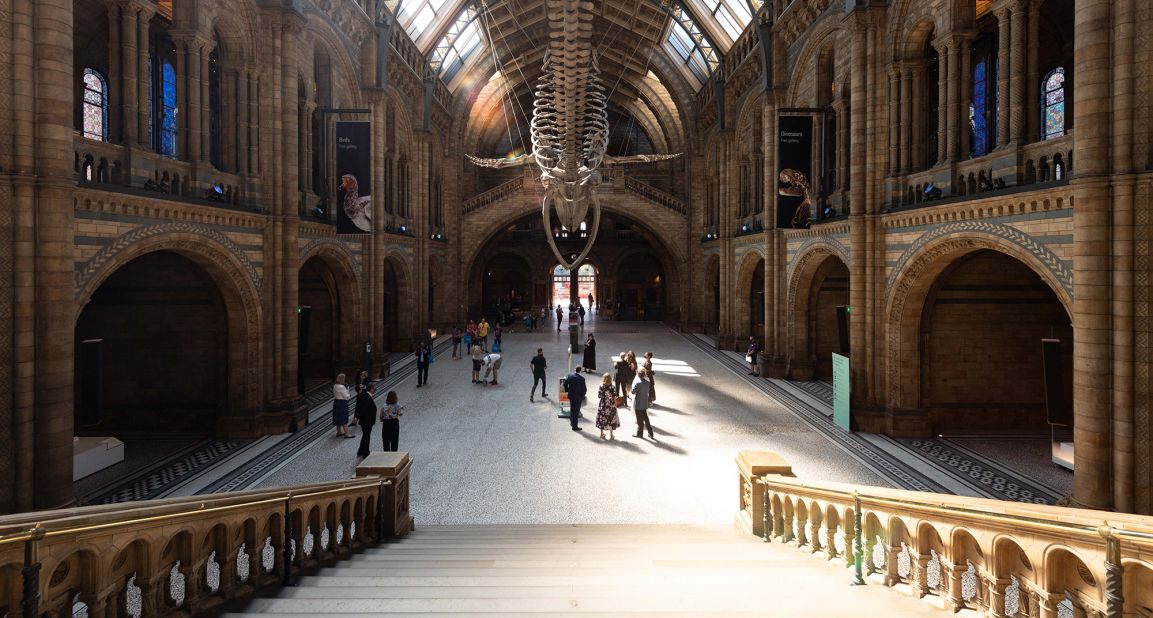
{"type": "Point", "coordinates": [168, 109]}
{"type": "Point", "coordinates": [95, 110]}
{"type": "Point", "coordinates": [979, 110]}
{"type": "Point", "coordinates": [1053, 104]}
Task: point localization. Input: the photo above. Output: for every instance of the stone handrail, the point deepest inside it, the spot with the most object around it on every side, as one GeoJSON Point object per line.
{"type": "Point", "coordinates": [994, 557]}
{"type": "Point", "coordinates": [187, 556]}
{"type": "Point", "coordinates": [493, 195]}
{"type": "Point", "coordinates": [655, 195]}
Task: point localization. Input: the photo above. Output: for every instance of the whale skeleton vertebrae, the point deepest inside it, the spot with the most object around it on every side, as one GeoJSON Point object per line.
{"type": "Point", "coordinates": [569, 129]}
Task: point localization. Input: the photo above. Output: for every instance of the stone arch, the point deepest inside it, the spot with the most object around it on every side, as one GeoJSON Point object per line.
{"type": "Point", "coordinates": [919, 268]}
{"type": "Point", "coordinates": [346, 272]}
{"type": "Point", "coordinates": [399, 306]}
{"type": "Point", "coordinates": [229, 269]}
{"type": "Point", "coordinates": [750, 272]}
{"type": "Point", "coordinates": [818, 41]}
{"type": "Point", "coordinates": [806, 273]}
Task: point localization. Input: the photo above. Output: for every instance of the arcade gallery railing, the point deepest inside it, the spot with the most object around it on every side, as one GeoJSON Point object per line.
{"type": "Point", "coordinates": [187, 556]}
{"type": "Point", "coordinates": [993, 557]}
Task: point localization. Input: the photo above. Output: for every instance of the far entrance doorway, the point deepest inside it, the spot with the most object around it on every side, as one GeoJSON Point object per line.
{"type": "Point", "coordinates": [562, 285]}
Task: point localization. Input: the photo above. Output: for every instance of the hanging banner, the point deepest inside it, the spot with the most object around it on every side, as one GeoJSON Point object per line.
{"type": "Point", "coordinates": [354, 177]}
{"type": "Point", "coordinates": [794, 171]}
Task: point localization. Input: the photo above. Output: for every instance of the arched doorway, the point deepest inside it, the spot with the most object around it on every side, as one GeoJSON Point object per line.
{"type": "Point", "coordinates": [319, 322]}
{"type": "Point", "coordinates": [747, 310]}
{"type": "Point", "coordinates": [979, 343]}
{"type": "Point", "coordinates": [158, 338]}
{"type": "Point", "coordinates": [507, 286]}
{"type": "Point", "coordinates": [830, 289]}
{"type": "Point", "coordinates": [562, 285]}
{"type": "Point", "coordinates": [757, 303]}
{"type": "Point", "coordinates": [640, 289]}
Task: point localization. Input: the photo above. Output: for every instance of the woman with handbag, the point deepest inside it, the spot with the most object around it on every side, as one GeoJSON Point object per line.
{"type": "Point", "coordinates": [390, 421]}
{"type": "Point", "coordinates": [340, 397]}
{"type": "Point", "coordinates": [607, 417]}
{"type": "Point", "coordinates": [751, 355]}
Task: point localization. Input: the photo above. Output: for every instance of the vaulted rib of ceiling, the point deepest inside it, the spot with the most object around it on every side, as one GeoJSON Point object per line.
{"type": "Point", "coordinates": [644, 81]}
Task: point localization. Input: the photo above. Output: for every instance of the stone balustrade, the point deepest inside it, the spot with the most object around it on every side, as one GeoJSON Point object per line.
{"type": "Point", "coordinates": [993, 557]}
{"type": "Point", "coordinates": [493, 195]}
{"type": "Point", "coordinates": [188, 556]}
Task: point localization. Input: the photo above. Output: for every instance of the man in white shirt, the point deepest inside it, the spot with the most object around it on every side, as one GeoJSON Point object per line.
{"type": "Point", "coordinates": [491, 364]}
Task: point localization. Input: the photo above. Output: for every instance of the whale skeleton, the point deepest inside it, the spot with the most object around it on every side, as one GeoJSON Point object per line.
{"type": "Point", "coordinates": [570, 128]}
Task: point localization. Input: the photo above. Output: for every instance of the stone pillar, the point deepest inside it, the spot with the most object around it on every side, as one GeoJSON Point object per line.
{"type": "Point", "coordinates": [943, 54]}
{"type": "Point", "coordinates": [919, 575]}
{"type": "Point", "coordinates": [996, 594]}
{"type": "Point", "coordinates": [1033, 115]}
{"type": "Point", "coordinates": [130, 101]}
{"type": "Point", "coordinates": [896, 111]}
{"type": "Point", "coordinates": [115, 79]}
{"type": "Point", "coordinates": [190, 120]}
{"type": "Point", "coordinates": [144, 16]}
{"type": "Point", "coordinates": [952, 574]}
{"type": "Point", "coordinates": [908, 112]}
{"type": "Point", "coordinates": [1019, 115]}
{"type": "Point", "coordinates": [1092, 233]}
{"type": "Point", "coordinates": [858, 224]}
{"type": "Point", "coordinates": [965, 97]}
{"type": "Point", "coordinates": [242, 127]}
{"type": "Point", "coordinates": [953, 101]}
{"type": "Point", "coordinates": [54, 101]}
{"type": "Point", "coordinates": [1123, 256]}
{"type": "Point", "coordinates": [1003, 70]}
{"type": "Point", "coordinates": [205, 104]}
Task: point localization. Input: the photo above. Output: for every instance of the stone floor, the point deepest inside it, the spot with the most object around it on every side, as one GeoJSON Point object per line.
{"type": "Point", "coordinates": [486, 455]}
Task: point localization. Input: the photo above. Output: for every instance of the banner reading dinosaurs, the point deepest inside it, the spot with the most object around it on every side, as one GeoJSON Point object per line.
{"type": "Point", "coordinates": [794, 171]}
{"type": "Point", "coordinates": [354, 177]}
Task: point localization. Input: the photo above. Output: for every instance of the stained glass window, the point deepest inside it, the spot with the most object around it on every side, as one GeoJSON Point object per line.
{"type": "Point", "coordinates": [979, 109]}
{"type": "Point", "coordinates": [1053, 104]}
{"type": "Point", "coordinates": [95, 110]}
{"type": "Point", "coordinates": [168, 110]}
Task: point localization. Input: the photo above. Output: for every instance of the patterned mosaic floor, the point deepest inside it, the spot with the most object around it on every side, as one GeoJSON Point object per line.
{"type": "Point", "coordinates": [1014, 468]}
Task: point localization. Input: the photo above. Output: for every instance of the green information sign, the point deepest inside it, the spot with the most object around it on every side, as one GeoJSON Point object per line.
{"type": "Point", "coordinates": [841, 391]}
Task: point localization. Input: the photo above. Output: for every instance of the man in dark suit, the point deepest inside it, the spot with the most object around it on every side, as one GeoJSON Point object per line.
{"type": "Point", "coordinates": [574, 385]}
{"type": "Point", "coordinates": [538, 365]}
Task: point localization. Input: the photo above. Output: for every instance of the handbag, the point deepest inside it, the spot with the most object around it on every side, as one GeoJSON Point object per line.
{"type": "Point", "coordinates": [748, 358]}
{"type": "Point", "coordinates": [618, 402]}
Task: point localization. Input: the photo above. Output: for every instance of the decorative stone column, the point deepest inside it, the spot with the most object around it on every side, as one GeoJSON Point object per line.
{"type": "Point", "coordinates": [1033, 117]}
{"type": "Point", "coordinates": [943, 55]}
{"type": "Point", "coordinates": [205, 102]}
{"type": "Point", "coordinates": [115, 79]}
{"type": "Point", "coordinates": [858, 195]}
{"type": "Point", "coordinates": [920, 575]}
{"type": "Point", "coordinates": [143, 42]}
{"type": "Point", "coordinates": [1003, 70]}
{"type": "Point", "coordinates": [908, 113]}
{"type": "Point", "coordinates": [1017, 72]}
{"type": "Point", "coordinates": [189, 61]}
{"type": "Point", "coordinates": [958, 49]}
{"type": "Point", "coordinates": [130, 100]}
{"type": "Point", "coordinates": [1092, 233]}
{"type": "Point", "coordinates": [953, 573]}
{"type": "Point", "coordinates": [896, 112]}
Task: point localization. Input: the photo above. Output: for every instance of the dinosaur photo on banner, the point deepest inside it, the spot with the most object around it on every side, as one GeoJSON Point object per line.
{"type": "Point", "coordinates": [354, 177]}
{"type": "Point", "coordinates": [794, 171]}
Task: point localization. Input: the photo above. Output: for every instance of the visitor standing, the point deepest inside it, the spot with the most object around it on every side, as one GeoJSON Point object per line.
{"type": "Point", "coordinates": [491, 364]}
{"type": "Point", "coordinates": [477, 355]}
{"type": "Point", "coordinates": [365, 417]}
{"type": "Point", "coordinates": [496, 335]}
{"type": "Point", "coordinates": [648, 367]}
{"type": "Point", "coordinates": [751, 355]}
{"type": "Point", "coordinates": [340, 397]}
{"type": "Point", "coordinates": [591, 302]}
{"type": "Point", "coordinates": [423, 358]}
{"type": "Point", "coordinates": [581, 313]}
{"type": "Point", "coordinates": [456, 340]}
{"type": "Point", "coordinates": [470, 333]}
{"type": "Point", "coordinates": [482, 333]}
{"type": "Point", "coordinates": [607, 417]}
{"type": "Point", "coordinates": [390, 421]}
{"type": "Point", "coordinates": [624, 378]}
{"type": "Point", "coordinates": [590, 360]}
{"type": "Point", "coordinates": [538, 365]}
{"type": "Point", "coordinates": [559, 317]}
{"type": "Point", "coordinates": [641, 404]}
{"type": "Point", "coordinates": [574, 385]}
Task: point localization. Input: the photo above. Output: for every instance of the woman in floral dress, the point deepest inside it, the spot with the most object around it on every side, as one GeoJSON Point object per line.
{"type": "Point", "coordinates": [607, 417]}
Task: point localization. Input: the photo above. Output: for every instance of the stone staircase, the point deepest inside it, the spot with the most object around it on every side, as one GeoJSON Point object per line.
{"type": "Point", "coordinates": [609, 570]}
